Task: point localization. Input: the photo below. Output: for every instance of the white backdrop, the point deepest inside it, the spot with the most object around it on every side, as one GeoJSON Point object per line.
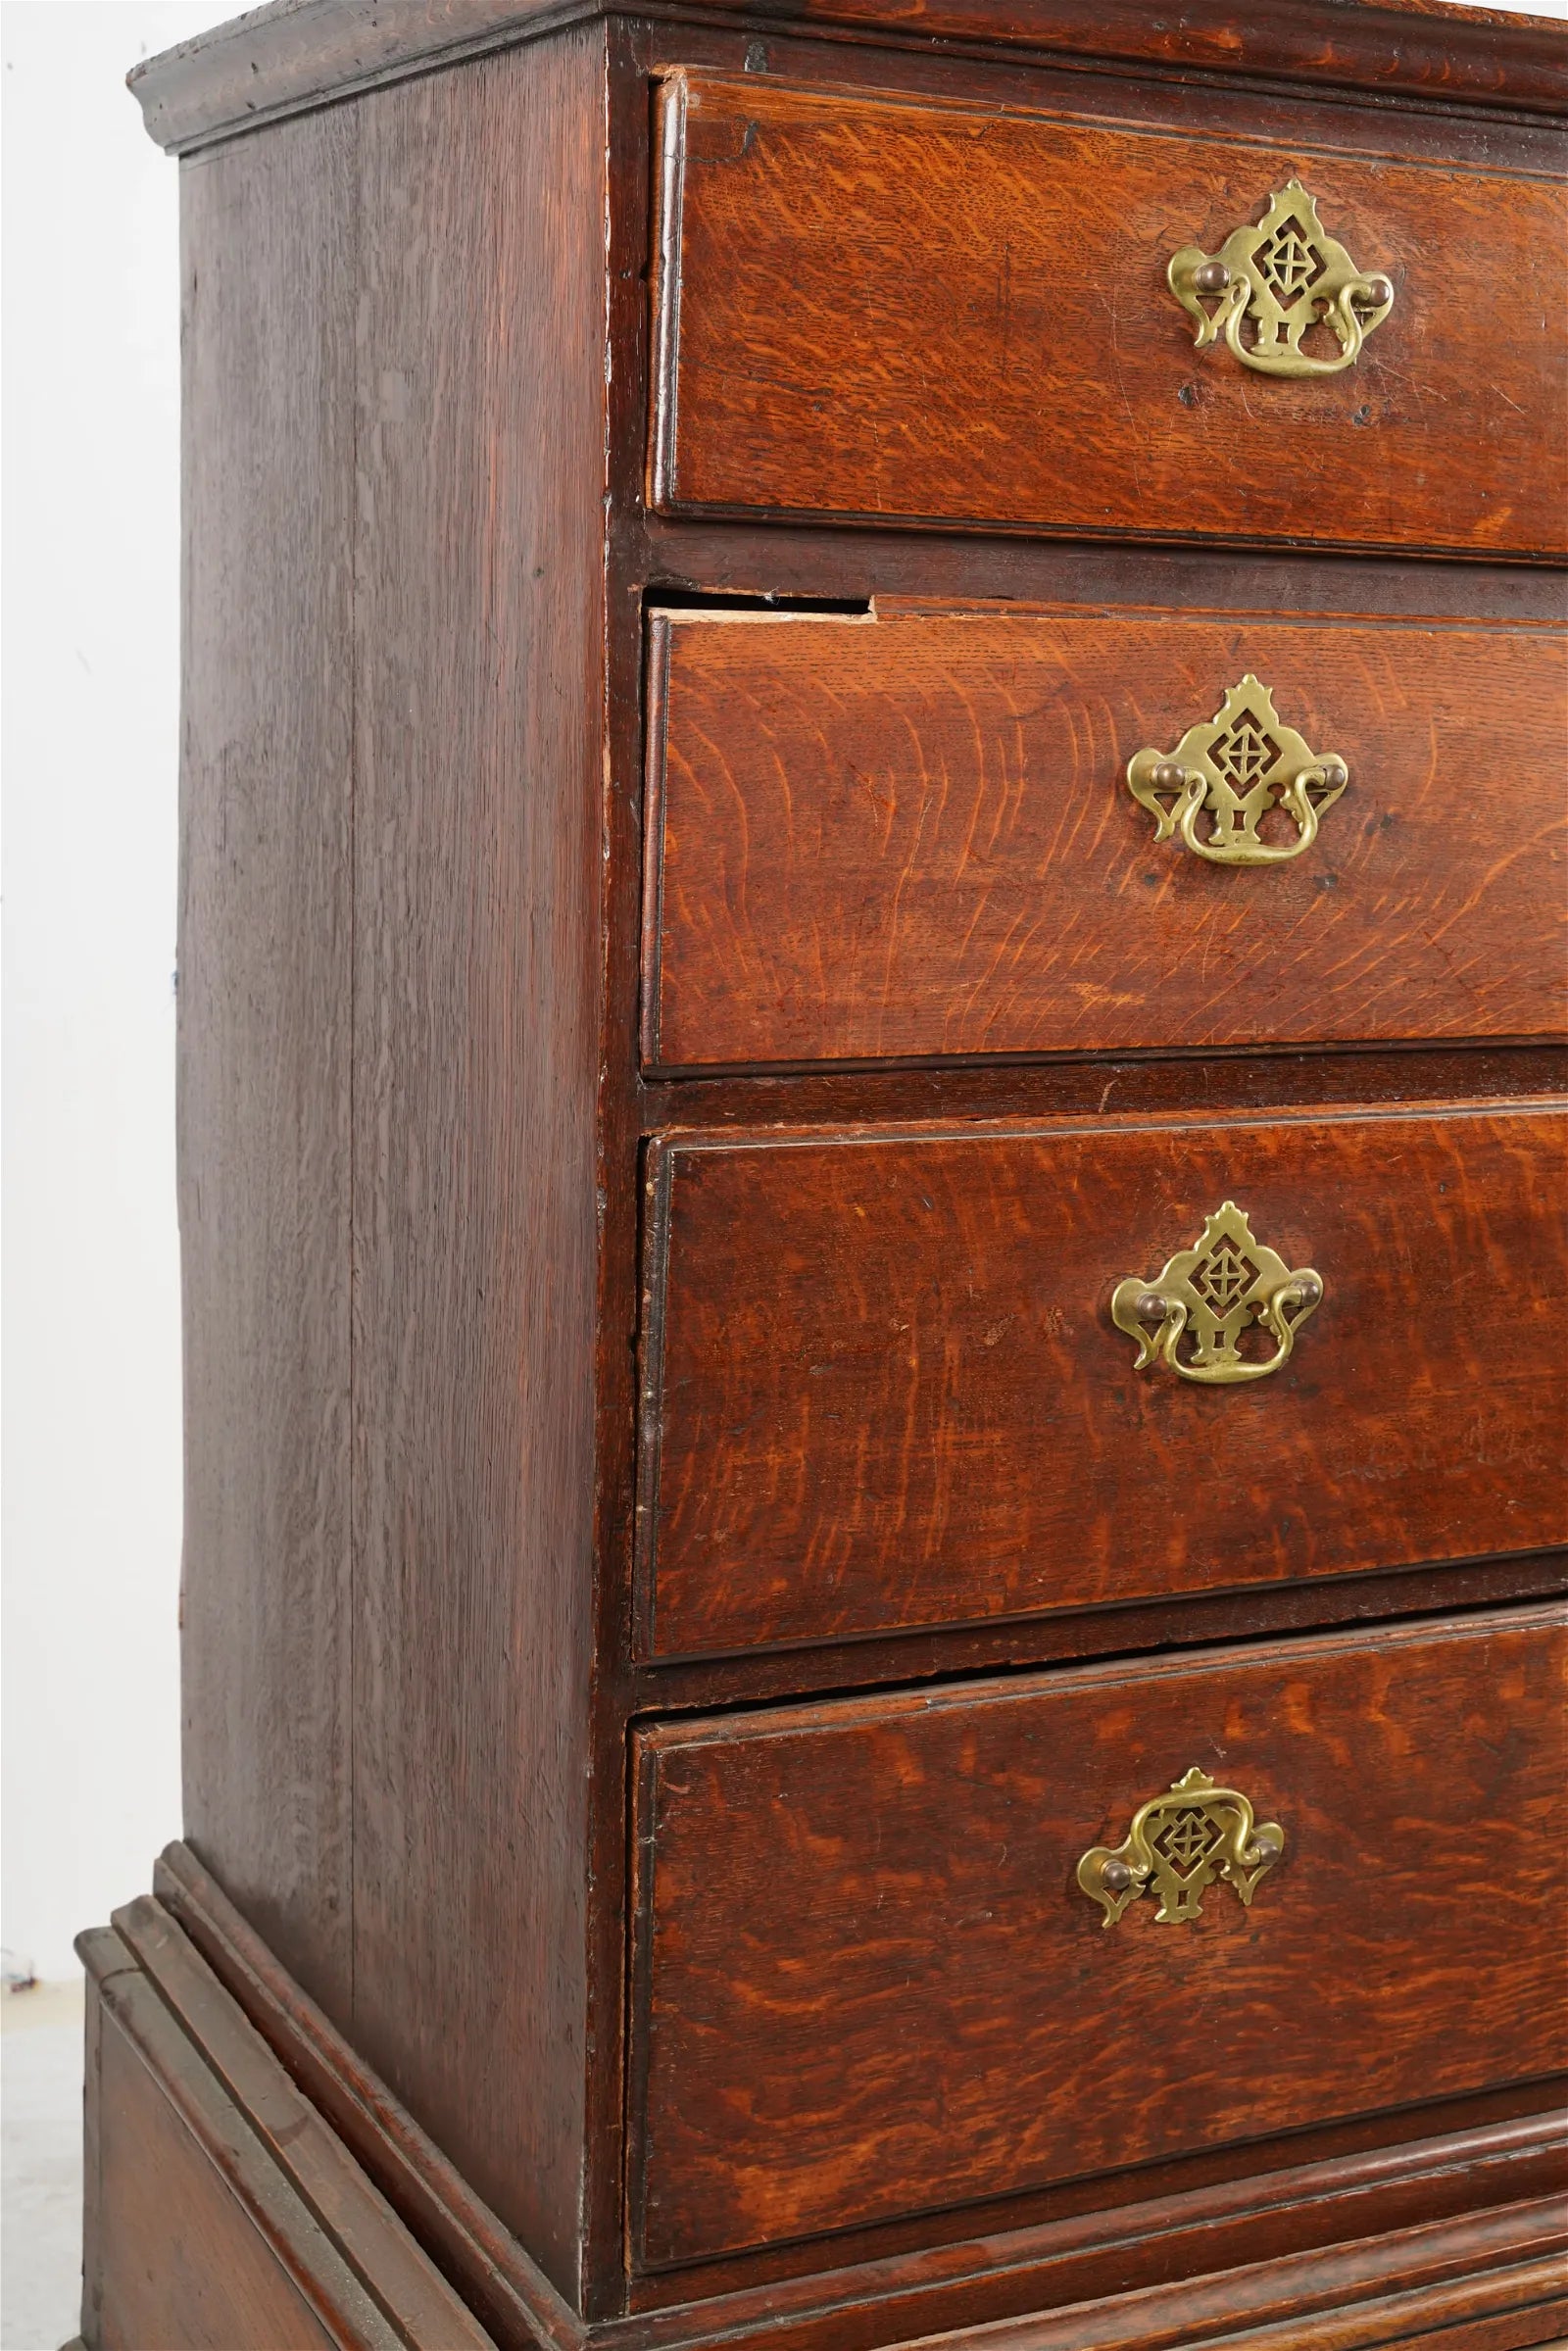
{"type": "Point", "coordinates": [91, 1333]}
{"type": "Point", "coordinates": [91, 1503]}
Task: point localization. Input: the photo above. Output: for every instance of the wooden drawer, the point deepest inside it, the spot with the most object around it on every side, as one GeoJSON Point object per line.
{"type": "Point", "coordinates": [882, 1387]}
{"type": "Point", "coordinates": [914, 835]}
{"type": "Point", "coordinates": [869, 1982]}
{"type": "Point", "coordinates": [919, 311]}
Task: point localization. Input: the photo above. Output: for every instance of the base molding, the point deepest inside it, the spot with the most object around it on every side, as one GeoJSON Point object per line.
{"type": "Point", "coordinates": [219, 2208]}
{"type": "Point", "coordinates": [341, 2225]}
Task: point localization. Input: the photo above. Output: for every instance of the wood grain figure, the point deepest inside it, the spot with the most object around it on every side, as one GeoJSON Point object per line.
{"type": "Point", "coordinates": [883, 1388]}
{"type": "Point", "coordinates": [872, 1983]}
{"type": "Point", "coordinates": [684, 1034]}
{"type": "Point", "coordinates": [912, 837]}
{"type": "Point", "coordinates": [940, 313]}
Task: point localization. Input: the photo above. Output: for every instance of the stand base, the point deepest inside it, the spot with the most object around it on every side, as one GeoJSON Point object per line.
{"type": "Point", "coordinates": [249, 2186]}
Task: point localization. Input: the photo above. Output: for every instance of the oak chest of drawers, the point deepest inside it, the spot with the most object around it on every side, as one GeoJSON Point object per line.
{"type": "Point", "coordinates": [872, 992]}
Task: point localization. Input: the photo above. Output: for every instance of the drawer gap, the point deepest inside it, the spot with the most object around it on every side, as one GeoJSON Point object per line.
{"type": "Point", "coordinates": [723, 603]}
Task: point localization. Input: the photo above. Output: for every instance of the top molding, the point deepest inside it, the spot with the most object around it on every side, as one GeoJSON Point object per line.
{"type": "Point", "coordinates": [295, 54]}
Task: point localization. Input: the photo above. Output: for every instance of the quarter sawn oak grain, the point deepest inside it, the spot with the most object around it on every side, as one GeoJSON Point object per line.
{"type": "Point", "coordinates": [1347, 2217]}
{"type": "Point", "coordinates": [424, 1637]}
{"type": "Point", "coordinates": [883, 1390]}
{"type": "Point", "coordinates": [910, 836]}
{"type": "Point", "coordinates": [871, 1983]}
{"type": "Point", "coordinates": [909, 312]}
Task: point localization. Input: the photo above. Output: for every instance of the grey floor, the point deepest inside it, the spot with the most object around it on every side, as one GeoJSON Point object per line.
{"type": "Point", "coordinates": [40, 2166]}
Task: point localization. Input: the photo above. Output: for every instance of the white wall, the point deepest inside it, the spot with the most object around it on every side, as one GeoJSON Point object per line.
{"type": "Point", "coordinates": [91, 1333]}
{"type": "Point", "coordinates": [91, 1504]}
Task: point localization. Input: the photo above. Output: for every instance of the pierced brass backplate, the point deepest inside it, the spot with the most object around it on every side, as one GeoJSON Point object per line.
{"type": "Point", "coordinates": [1234, 769]}
{"type": "Point", "coordinates": [1180, 1842]}
{"type": "Point", "coordinates": [1276, 280]}
{"type": "Point", "coordinates": [1215, 1291]}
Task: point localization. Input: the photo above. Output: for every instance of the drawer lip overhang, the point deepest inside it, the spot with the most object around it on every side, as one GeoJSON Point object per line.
{"type": "Point", "coordinates": [1342, 1666]}
{"type": "Point", "coordinates": [770, 1498]}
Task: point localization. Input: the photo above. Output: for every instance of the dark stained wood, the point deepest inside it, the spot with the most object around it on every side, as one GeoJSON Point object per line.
{"type": "Point", "coordinates": [1215, 105]}
{"type": "Point", "coordinates": [201, 2241]}
{"type": "Point", "coordinates": [867, 1982]}
{"type": "Point", "coordinates": [921, 313]}
{"type": "Point", "coordinates": [911, 835]}
{"type": "Point", "coordinates": [882, 1386]}
{"type": "Point", "coordinates": [476, 1005]}
{"type": "Point", "coordinates": [287, 55]}
{"type": "Point", "coordinates": [307, 2154]}
{"type": "Point", "coordinates": [265, 1087]}
{"type": "Point", "coordinates": [725, 559]}
{"type": "Point", "coordinates": [184, 2268]}
{"type": "Point", "coordinates": [1248, 2207]}
{"type": "Point", "coordinates": [1474, 2286]}
{"type": "Point", "coordinates": [1309, 2191]}
{"type": "Point", "coordinates": [619, 1171]}
{"type": "Point", "coordinates": [484, 418]}
{"type": "Point", "coordinates": [1075, 1086]}
{"type": "Point", "coordinates": [355, 837]}
{"type": "Point", "coordinates": [511, 2294]}
{"type": "Point", "coordinates": [250, 2218]}
{"type": "Point", "coordinates": [1459, 53]}
{"type": "Point", "coordinates": [1174, 1620]}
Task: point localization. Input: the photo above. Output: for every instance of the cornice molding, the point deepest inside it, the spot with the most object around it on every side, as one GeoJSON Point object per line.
{"type": "Point", "coordinates": [297, 54]}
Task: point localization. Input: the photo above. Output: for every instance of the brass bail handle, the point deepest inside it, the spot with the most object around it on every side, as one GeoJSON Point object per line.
{"type": "Point", "coordinates": [1229, 773]}
{"type": "Point", "coordinates": [1275, 280]}
{"type": "Point", "coordinates": [1179, 1843]}
{"type": "Point", "coordinates": [1192, 1314]}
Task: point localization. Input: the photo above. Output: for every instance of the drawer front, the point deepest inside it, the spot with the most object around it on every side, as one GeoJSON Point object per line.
{"type": "Point", "coordinates": [883, 1388]}
{"type": "Point", "coordinates": [914, 835]}
{"type": "Point", "coordinates": [929, 313]}
{"type": "Point", "coordinates": [869, 1982]}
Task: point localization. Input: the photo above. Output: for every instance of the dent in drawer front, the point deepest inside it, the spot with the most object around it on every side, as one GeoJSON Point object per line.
{"type": "Point", "coordinates": [883, 1390]}
{"type": "Point", "coordinates": [918, 312]}
{"type": "Point", "coordinates": [868, 1984]}
{"type": "Point", "coordinates": [911, 836]}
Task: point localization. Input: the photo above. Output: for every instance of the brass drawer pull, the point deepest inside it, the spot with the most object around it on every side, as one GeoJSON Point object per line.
{"type": "Point", "coordinates": [1182, 1842]}
{"type": "Point", "coordinates": [1215, 1291]}
{"type": "Point", "coordinates": [1281, 277]}
{"type": "Point", "coordinates": [1234, 768]}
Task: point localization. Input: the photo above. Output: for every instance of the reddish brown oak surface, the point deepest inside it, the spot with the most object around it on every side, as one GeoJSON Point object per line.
{"type": "Point", "coordinates": [915, 312]}
{"type": "Point", "coordinates": [1231, 2209]}
{"type": "Point", "coordinates": [868, 1983]}
{"type": "Point", "coordinates": [883, 1388]}
{"type": "Point", "coordinates": [254, 2225]}
{"type": "Point", "coordinates": [911, 835]}
{"type": "Point", "coordinates": [1485, 2286]}
{"type": "Point", "coordinates": [420, 335]}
